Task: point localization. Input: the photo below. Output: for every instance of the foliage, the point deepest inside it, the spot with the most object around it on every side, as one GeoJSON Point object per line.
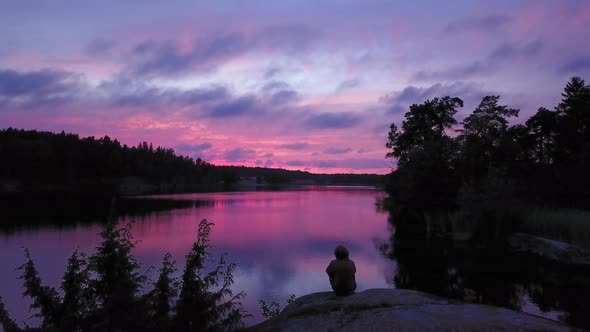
{"type": "Point", "coordinates": [424, 124]}
{"type": "Point", "coordinates": [273, 309]}
{"type": "Point", "coordinates": [491, 166]}
{"type": "Point", "coordinates": [105, 291]}
{"type": "Point", "coordinates": [35, 158]}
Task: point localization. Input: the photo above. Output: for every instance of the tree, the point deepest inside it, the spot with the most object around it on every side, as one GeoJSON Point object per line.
{"type": "Point", "coordinates": [573, 118]}
{"type": "Point", "coordinates": [483, 134]}
{"type": "Point", "coordinates": [542, 132]}
{"type": "Point", "coordinates": [206, 302]}
{"type": "Point", "coordinates": [425, 154]}
{"type": "Point", "coordinates": [104, 293]}
{"type": "Point", "coordinates": [424, 123]}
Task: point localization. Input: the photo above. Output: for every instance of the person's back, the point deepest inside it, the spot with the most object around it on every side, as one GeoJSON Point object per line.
{"type": "Point", "coordinates": [341, 272]}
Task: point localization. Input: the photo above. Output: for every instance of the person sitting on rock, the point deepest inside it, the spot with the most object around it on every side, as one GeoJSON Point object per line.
{"type": "Point", "coordinates": [341, 272]}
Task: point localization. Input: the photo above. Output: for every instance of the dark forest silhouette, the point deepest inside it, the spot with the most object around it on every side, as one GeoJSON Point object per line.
{"type": "Point", "coordinates": [106, 291]}
{"type": "Point", "coordinates": [545, 161]}
{"type": "Point", "coordinates": [481, 179]}
{"type": "Point", "coordinates": [44, 161]}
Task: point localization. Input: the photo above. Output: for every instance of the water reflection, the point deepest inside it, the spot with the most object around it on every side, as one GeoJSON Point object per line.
{"type": "Point", "coordinates": [281, 241]}
{"type": "Point", "coordinates": [428, 259]}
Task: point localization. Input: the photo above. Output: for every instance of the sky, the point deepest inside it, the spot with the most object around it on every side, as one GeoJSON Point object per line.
{"type": "Point", "coordinates": [307, 85]}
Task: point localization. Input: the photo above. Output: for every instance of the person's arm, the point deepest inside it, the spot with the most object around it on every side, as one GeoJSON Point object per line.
{"type": "Point", "coordinates": [330, 271]}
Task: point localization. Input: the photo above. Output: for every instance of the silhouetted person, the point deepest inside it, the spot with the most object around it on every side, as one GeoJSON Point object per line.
{"type": "Point", "coordinates": [341, 272]}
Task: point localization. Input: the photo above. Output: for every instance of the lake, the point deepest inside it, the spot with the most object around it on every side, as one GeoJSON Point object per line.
{"type": "Point", "coordinates": [282, 242]}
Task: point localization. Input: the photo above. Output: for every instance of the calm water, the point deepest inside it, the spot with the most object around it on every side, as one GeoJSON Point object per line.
{"type": "Point", "coordinates": [281, 241]}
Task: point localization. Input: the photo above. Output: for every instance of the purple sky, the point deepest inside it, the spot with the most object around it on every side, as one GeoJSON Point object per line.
{"type": "Point", "coordinates": [298, 84]}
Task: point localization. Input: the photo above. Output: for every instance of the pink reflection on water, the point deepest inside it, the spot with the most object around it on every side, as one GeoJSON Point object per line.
{"type": "Point", "coordinates": [281, 242]}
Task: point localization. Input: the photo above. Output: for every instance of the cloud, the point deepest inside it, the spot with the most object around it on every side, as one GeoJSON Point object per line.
{"type": "Point", "coordinates": [284, 97]}
{"type": "Point", "coordinates": [295, 146]}
{"type": "Point", "coordinates": [287, 38]}
{"type": "Point", "coordinates": [195, 147]}
{"type": "Point", "coordinates": [125, 91]}
{"type": "Point", "coordinates": [271, 72]}
{"type": "Point", "coordinates": [235, 107]}
{"type": "Point", "coordinates": [514, 50]}
{"type": "Point", "coordinates": [348, 85]}
{"type": "Point", "coordinates": [485, 23]}
{"type": "Point", "coordinates": [474, 69]}
{"type": "Point", "coordinates": [505, 51]}
{"type": "Point", "coordinates": [38, 88]}
{"type": "Point", "coordinates": [337, 150]}
{"type": "Point", "coordinates": [99, 46]}
{"type": "Point", "coordinates": [166, 57]}
{"type": "Point", "coordinates": [399, 102]}
{"type": "Point", "coordinates": [332, 120]}
{"type": "Point", "coordinates": [352, 163]}
{"type": "Point", "coordinates": [295, 163]}
{"type": "Point", "coordinates": [279, 93]}
{"type": "Point", "coordinates": [239, 154]}
{"type": "Point", "coordinates": [576, 66]}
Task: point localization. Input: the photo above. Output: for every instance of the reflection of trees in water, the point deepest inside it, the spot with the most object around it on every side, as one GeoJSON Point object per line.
{"type": "Point", "coordinates": [429, 260]}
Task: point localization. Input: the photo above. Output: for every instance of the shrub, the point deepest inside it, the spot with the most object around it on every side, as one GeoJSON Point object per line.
{"type": "Point", "coordinates": [106, 291]}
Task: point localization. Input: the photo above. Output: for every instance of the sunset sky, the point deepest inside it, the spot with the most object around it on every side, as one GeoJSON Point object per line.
{"type": "Point", "coordinates": [310, 85]}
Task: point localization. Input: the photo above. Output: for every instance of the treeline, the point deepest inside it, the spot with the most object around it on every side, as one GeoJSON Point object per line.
{"type": "Point", "coordinates": [45, 161]}
{"type": "Point", "coordinates": [107, 292]}
{"type": "Point", "coordinates": [483, 167]}
{"type": "Point", "coordinates": [283, 176]}
{"type": "Point", "coordinates": [37, 159]}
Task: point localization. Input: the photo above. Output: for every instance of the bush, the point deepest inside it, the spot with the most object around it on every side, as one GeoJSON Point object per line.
{"type": "Point", "coordinates": [106, 292]}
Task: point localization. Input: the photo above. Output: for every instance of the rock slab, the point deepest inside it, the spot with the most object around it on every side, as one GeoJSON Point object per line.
{"type": "Point", "coordinates": [399, 310]}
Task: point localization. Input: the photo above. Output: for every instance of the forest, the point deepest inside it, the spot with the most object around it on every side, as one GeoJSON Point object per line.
{"type": "Point", "coordinates": [485, 171]}
{"type": "Point", "coordinates": [36, 161]}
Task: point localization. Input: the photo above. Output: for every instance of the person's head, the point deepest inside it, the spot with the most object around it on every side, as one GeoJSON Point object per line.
{"type": "Point", "coordinates": [341, 252]}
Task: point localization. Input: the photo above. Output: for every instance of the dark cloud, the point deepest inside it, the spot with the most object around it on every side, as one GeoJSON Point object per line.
{"type": "Point", "coordinates": [363, 150]}
{"type": "Point", "coordinates": [239, 154]}
{"type": "Point", "coordinates": [399, 102]}
{"type": "Point", "coordinates": [295, 163]}
{"type": "Point", "coordinates": [99, 46]}
{"type": "Point", "coordinates": [485, 23]}
{"type": "Point", "coordinates": [506, 51]}
{"type": "Point", "coordinates": [274, 86]}
{"type": "Point", "coordinates": [459, 72]}
{"type": "Point", "coordinates": [337, 150]}
{"type": "Point", "coordinates": [39, 88]}
{"type": "Point", "coordinates": [577, 66]}
{"type": "Point", "coordinates": [514, 50]}
{"type": "Point", "coordinates": [124, 91]}
{"type": "Point", "coordinates": [154, 58]}
{"type": "Point", "coordinates": [268, 163]}
{"type": "Point", "coordinates": [271, 72]}
{"type": "Point", "coordinates": [295, 146]}
{"type": "Point", "coordinates": [348, 85]}
{"type": "Point", "coordinates": [284, 97]}
{"type": "Point", "coordinates": [332, 120]}
{"type": "Point", "coordinates": [166, 57]}
{"type": "Point", "coordinates": [195, 147]}
{"type": "Point", "coordinates": [238, 106]}
{"type": "Point", "coordinates": [279, 93]}
{"type": "Point", "coordinates": [267, 155]}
